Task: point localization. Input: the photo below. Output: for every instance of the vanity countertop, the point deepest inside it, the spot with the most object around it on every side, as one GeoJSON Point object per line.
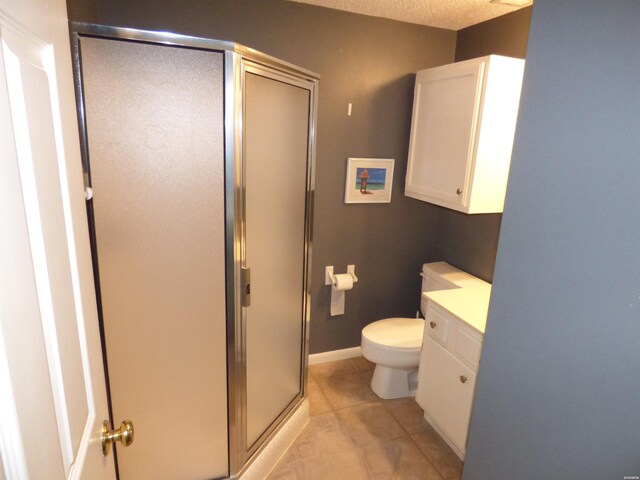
{"type": "Point", "coordinates": [470, 303]}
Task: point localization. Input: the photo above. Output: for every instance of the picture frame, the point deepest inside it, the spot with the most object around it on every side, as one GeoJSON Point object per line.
{"type": "Point", "coordinates": [377, 174]}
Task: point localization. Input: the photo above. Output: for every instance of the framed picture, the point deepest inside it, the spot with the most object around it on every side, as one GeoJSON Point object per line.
{"type": "Point", "coordinates": [369, 180]}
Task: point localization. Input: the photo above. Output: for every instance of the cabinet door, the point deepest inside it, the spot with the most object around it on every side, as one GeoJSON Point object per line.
{"type": "Point", "coordinates": [445, 115]}
{"type": "Point", "coordinates": [445, 397]}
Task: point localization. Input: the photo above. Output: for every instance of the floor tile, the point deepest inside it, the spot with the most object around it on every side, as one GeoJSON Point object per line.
{"type": "Point", "coordinates": [369, 422]}
{"type": "Point", "coordinates": [312, 385]}
{"type": "Point", "coordinates": [382, 457]}
{"type": "Point", "coordinates": [407, 412]}
{"type": "Point", "coordinates": [325, 433]}
{"type": "Point", "coordinates": [347, 464]}
{"type": "Point", "coordinates": [346, 390]}
{"type": "Point", "coordinates": [324, 450]}
{"type": "Point", "coordinates": [412, 465]}
{"type": "Point", "coordinates": [352, 434]}
{"type": "Point", "coordinates": [367, 375]}
{"type": "Point", "coordinates": [440, 454]}
{"type": "Point", "coordinates": [398, 458]}
{"type": "Point", "coordinates": [318, 402]}
{"type": "Point", "coordinates": [362, 364]}
{"type": "Point", "coordinates": [329, 369]}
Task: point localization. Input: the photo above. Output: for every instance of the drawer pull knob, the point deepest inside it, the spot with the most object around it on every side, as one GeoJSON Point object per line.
{"type": "Point", "coordinates": [459, 191]}
{"type": "Point", "coordinates": [463, 379]}
{"type": "Point", "coordinates": [433, 324]}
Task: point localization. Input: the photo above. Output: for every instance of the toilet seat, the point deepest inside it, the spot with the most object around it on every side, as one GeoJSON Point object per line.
{"type": "Point", "coordinates": [394, 334]}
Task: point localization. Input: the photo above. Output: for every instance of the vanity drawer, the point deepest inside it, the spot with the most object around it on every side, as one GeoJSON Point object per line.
{"type": "Point", "coordinates": [467, 345]}
{"type": "Point", "coordinates": [436, 325]}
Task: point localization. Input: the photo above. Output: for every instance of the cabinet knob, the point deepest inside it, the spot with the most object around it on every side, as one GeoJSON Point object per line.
{"type": "Point", "coordinates": [463, 379]}
{"type": "Point", "coordinates": [433, 324]}
{"type": "Point", "coordinates": [459, 191]}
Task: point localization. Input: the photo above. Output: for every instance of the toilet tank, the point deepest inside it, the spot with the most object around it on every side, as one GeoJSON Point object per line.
{"type": "Point", "coordinates": [441, 276]}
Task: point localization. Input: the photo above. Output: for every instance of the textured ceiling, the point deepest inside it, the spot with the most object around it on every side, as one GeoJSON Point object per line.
{"type": "Point", "coordinates": [450, 14]}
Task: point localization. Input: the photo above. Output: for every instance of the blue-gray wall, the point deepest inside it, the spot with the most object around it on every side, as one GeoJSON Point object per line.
{"type": "Point", "coordinates": [558, 389]}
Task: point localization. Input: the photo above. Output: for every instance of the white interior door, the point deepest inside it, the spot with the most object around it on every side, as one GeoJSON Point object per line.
{"type": "Point", "coordinates": [52, 390]}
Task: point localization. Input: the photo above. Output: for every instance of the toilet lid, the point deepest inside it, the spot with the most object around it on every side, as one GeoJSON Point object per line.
{"type": "Point", "coordinates": [398, 333]}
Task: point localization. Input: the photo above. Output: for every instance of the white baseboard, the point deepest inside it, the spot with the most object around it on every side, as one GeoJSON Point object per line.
{"type": "Point", "coordinates": [334, 355]}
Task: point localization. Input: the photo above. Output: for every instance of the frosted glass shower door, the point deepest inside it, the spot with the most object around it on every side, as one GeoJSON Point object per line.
{"type": "Point", "coordinates": [155, 134]}
{"type": "Point", "coordinates": [276, 140]}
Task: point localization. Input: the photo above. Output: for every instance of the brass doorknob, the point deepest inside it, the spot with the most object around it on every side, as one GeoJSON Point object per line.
{"type": "Point", "coordinates": [124, 435]}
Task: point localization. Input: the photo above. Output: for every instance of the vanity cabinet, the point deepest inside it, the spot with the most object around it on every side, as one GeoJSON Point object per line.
{"type": "Point", "coordinates": [449, 364]}
{"type": "Point", "coordinates": [464, 118]}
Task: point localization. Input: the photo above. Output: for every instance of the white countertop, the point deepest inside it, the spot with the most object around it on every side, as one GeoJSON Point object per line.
{"type": "Point", "coordinates": [470, 302]}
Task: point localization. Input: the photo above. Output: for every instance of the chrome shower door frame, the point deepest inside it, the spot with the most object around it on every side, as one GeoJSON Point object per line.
{"type": "Point", "coordinates": [237, 61]}
{"type": "Point", "coordinates": [240, 63]}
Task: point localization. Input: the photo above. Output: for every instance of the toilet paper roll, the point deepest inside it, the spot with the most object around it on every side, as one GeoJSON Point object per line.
{"type": "Point", "coordinates": [342, 281]}
{"type": "Point", "coordinates": [337, 301]}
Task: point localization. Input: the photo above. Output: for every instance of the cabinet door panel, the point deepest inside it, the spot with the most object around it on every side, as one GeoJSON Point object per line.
{"type": "Point", "coordinates": [445, 115]}
{"type": "Point", "coordinates": [445, 398]}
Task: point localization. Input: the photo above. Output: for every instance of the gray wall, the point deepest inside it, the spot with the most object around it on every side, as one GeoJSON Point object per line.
{"type": "Point", "coordinates": [364, 60]}
{"type": "Point", "coordinates": [557, 394]}
{"type": "Point", "coordinates": [505, 35]}
{"type": "Point", "coordinates": [470, 242]}
{"type": "Point", "coordinates": [83, 10]}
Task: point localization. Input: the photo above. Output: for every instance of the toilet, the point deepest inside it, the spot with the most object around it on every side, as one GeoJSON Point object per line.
{"type": "Point", "coordinates": [394, 344]}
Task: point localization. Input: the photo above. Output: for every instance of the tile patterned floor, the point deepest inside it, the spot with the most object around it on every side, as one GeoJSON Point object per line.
{"type": "Point", "coordinates": [354, 435]}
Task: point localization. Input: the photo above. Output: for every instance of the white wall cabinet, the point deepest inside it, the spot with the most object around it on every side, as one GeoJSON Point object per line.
{"type": "Point", "coordinates": [464, 118]}
{"type": "Point", "coordinates": [449, 363]}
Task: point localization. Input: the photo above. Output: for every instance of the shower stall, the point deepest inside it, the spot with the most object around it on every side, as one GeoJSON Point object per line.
{"type": "Point", "coordinates": [198, 160]}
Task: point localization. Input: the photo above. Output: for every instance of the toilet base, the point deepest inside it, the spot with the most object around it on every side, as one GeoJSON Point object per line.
{"type": "Point", "coordinates": [390, 383]}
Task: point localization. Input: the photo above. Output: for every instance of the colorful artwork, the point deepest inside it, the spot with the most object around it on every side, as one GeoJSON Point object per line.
{"type": "Point", "coordinates": [369, 180]}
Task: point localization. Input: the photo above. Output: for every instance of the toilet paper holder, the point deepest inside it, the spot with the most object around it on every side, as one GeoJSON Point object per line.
{"type": "Point", "coordinates": [329, 278]}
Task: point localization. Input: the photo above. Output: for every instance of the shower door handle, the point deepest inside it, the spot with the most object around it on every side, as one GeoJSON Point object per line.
{"type": "Point", "coordinates": [245, 282]}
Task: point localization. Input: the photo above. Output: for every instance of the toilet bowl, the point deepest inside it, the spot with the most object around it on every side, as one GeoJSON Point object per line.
{"type": "Point", "coordinates": [393, 344]}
